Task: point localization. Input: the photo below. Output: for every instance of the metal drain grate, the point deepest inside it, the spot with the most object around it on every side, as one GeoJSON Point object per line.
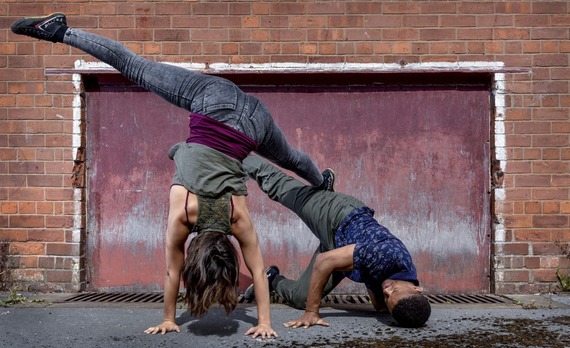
{"type": "Point", "coordinates": [116, 297]}
{"type": "Point", "coordinates": [467, 299]}
{"type": "Point", "coordinates": [93, 297]}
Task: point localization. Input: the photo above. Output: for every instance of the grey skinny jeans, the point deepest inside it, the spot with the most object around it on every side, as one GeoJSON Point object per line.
{"type": "Point", "coordinates": [322, 211]}
{"type": "Point", "coordinates": [208, 95]}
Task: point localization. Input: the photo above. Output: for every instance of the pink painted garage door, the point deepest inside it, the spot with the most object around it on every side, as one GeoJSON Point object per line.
{"type": "Point", "coordinates": [418, 155]}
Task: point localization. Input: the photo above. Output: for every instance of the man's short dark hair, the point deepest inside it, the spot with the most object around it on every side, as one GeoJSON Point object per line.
{"type": "Point", "coordinates": [412, 311]}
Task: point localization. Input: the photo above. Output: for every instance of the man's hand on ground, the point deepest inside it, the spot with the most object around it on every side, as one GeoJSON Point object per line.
{"type": "Point", "coordinates": [166, 326]}
{"type": "Point", "coordinates": [306, 320]}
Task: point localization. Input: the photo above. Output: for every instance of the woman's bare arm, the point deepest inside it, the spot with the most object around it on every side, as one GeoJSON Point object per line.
{"type": "Point", "coordinates": [244, 231]}
{"type": "Point", "coordinates": [176, 234]}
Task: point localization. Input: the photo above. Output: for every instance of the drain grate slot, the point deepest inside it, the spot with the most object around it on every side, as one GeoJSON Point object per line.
{"type": "Point", "coordinates": [153, 297]}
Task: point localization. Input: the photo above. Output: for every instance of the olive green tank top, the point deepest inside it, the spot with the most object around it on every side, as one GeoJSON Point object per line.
{"type": "Point", "coordinates": [214, 214]}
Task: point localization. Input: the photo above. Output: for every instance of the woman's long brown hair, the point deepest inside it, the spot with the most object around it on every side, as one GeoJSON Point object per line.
{"type": "Point", "coordinates": [211, 273]}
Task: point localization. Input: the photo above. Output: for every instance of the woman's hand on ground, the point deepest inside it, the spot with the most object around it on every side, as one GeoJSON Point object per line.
{"type": "Point", "coordinates": [262, 330]}
{"type": "Point", "coordinates": [166, 326]}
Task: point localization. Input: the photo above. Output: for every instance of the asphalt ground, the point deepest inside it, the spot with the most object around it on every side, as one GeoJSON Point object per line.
{"type": "Point", "coordinates": [44, 320]}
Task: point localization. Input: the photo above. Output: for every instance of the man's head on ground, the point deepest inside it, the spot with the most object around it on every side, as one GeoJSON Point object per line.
{"type": "Point", "coordinates": [406, 303]}
{"type": "Point", "coordinates": [210, 273]}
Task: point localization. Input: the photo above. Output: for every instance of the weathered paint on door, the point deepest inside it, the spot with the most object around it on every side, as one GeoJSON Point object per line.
{"type": "Point", "coordinates": [419, 156]}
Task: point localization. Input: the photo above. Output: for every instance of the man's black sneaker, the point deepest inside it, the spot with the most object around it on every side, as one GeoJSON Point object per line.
{"type": "Point", "coordinates": [328, 180]}
{"type": "Point", "coordinates": [271, 272]}
{"type": "Point", "coordinates": [43, 28]}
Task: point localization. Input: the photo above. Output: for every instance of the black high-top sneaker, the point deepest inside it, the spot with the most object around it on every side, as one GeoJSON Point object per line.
{"type": "Point", "coordinates": [43, 28]}
{"type": "Point", "coordinates": [328, 180]}
{"type": "Point", "coordinates": [271, 272]}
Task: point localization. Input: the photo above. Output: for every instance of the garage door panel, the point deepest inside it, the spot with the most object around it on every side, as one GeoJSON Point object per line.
{"type": "Point", "coordinates": [419, 156]}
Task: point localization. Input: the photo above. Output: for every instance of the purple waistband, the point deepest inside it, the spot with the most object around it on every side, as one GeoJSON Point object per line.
{"type": "Point", "coordinates": [219, 136]}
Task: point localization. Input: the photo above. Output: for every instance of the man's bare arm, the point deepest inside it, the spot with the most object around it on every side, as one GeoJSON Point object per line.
{"type": "Point", "coordinates": [339, 260]}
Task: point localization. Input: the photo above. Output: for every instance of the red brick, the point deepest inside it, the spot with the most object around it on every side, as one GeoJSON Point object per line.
{"type": "Point", "coordinates": [551, 208]}
{"type": "Point", "coordinates": [549, 262]}
{"type": "Point", "coordinates": [531, 235]}
{"type": "Point", "coordinates": [59, 276]}
{"type": "Point", "coordinates": [532, 262]}
{"type": "Point", "coordinates": [511, 34]}
{"type": "Point", "coordinates": [437, 7]}
{"type": "Point", "coordinates": [45, 180]}
{"type": "Point", "coordinates": [533, 20]}
{"type": "Point", "coordinates": [560, 20]}
{"type": "Point", "coordinates": [27, 262]}
{"type": "Point", "coordinates": [519, 167]}
{"type": "Point", "coordinates": [30, 221]}
{"type": "Point", "coordinates": [13, 235]}
{"type": "Point", "coordinates": [26, 194]}
{"type": "Point", "coordinates": [532, 127]}
{"type": "Point", "coordinates": [544, 275]}
{"type": "Point", "coordinates": [46, 235]}
{"type": "Point", "coordinates": [136, 8]}
{"type": "Point", "coordinates": [550, 221]}
{"type": "Point", "coordinates": [550, 194]}
{"type": "Point", "coordinates": [365, 8]}
{"type": "Point", "coordinates": [513, 47]}
{"type": "Point", "coordinates": [26, 114]}
{"type": "Point", "coordinates": [532, 207]}
{"type": "Point", "coordinates": [437, 34]}
{"type": "Point", "coordinates": [263, 8]}
{"type": "Point", "coordinates": [12, 180]}
{"type": "Point", "coordinates": [553, 167]}
{"type": "Point", "coordinates": [518, 208]}
{"type": "Point", "coordinates": [561, 127]}
{"type": "Point", "coordinates": [519, 114]}
{"type": "Point", "coordinates": [47, 262]}
{"type": "Point", "coordinates": [515, 249]}
{"type": "Point", "coordinates": [239, 8]}
{"type": "Point", "coordinates": [513, 221]}
{"type": "Point", "coordinates": [516, 276]}
{"type": "Point", "coordinates": [401, 8]}
{"type": "Point", "coordinates": [532, 180]}
{"type": "Point", "coordinates": [565, 154]}
{"type": "Point", "coordinates": [548, 87]}
{"type": "Point", "coordinates": [27, 248]}
{"type": "Point", "coordinates": [519, 140]}
{"type": "Point", "coordinates": [27, 207]}
{"type": "Point", "coordinates": [172, 8]}
{"type": "Point", "coordinates": [28, 275]}
{"type": "Point", "coordinates": [565, 207]}
{"type": "Point", "coordinates": [288, 8]}
{"type": "Point", "coordinates": [62, 249]}
{"type": "Point", "coordinates": [551, 114]}
{"type": "Point", "coordinates": [549, 34]}
{"type": "Point", "coordinates": [8, 208]}
{"type": "Point", "coordinates": [59, 221]}
{"type": "Point", "coordinates": [550, 60]}
{"type": "Point", "coordinates": [403, 34]}
{"type": "Point", "coordinates": [561, 236]}
{"type": "Point", "coordinates": [551, 154]}
{"type": "Point", "coordinates": [544, 249]}
{"type": "Point", "coordinates": [515, 262]}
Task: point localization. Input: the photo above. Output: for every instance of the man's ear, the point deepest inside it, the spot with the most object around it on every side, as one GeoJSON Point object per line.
{"type": "Point", "coordinates": [419, 289]}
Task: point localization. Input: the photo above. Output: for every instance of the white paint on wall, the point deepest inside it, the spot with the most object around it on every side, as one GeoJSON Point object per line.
{"type": "Point", "coordinates": [320, 67]}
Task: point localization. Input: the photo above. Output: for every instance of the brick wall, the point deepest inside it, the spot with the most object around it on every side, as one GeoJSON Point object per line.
{"type": "Point", "coordinates": [41, 195]}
